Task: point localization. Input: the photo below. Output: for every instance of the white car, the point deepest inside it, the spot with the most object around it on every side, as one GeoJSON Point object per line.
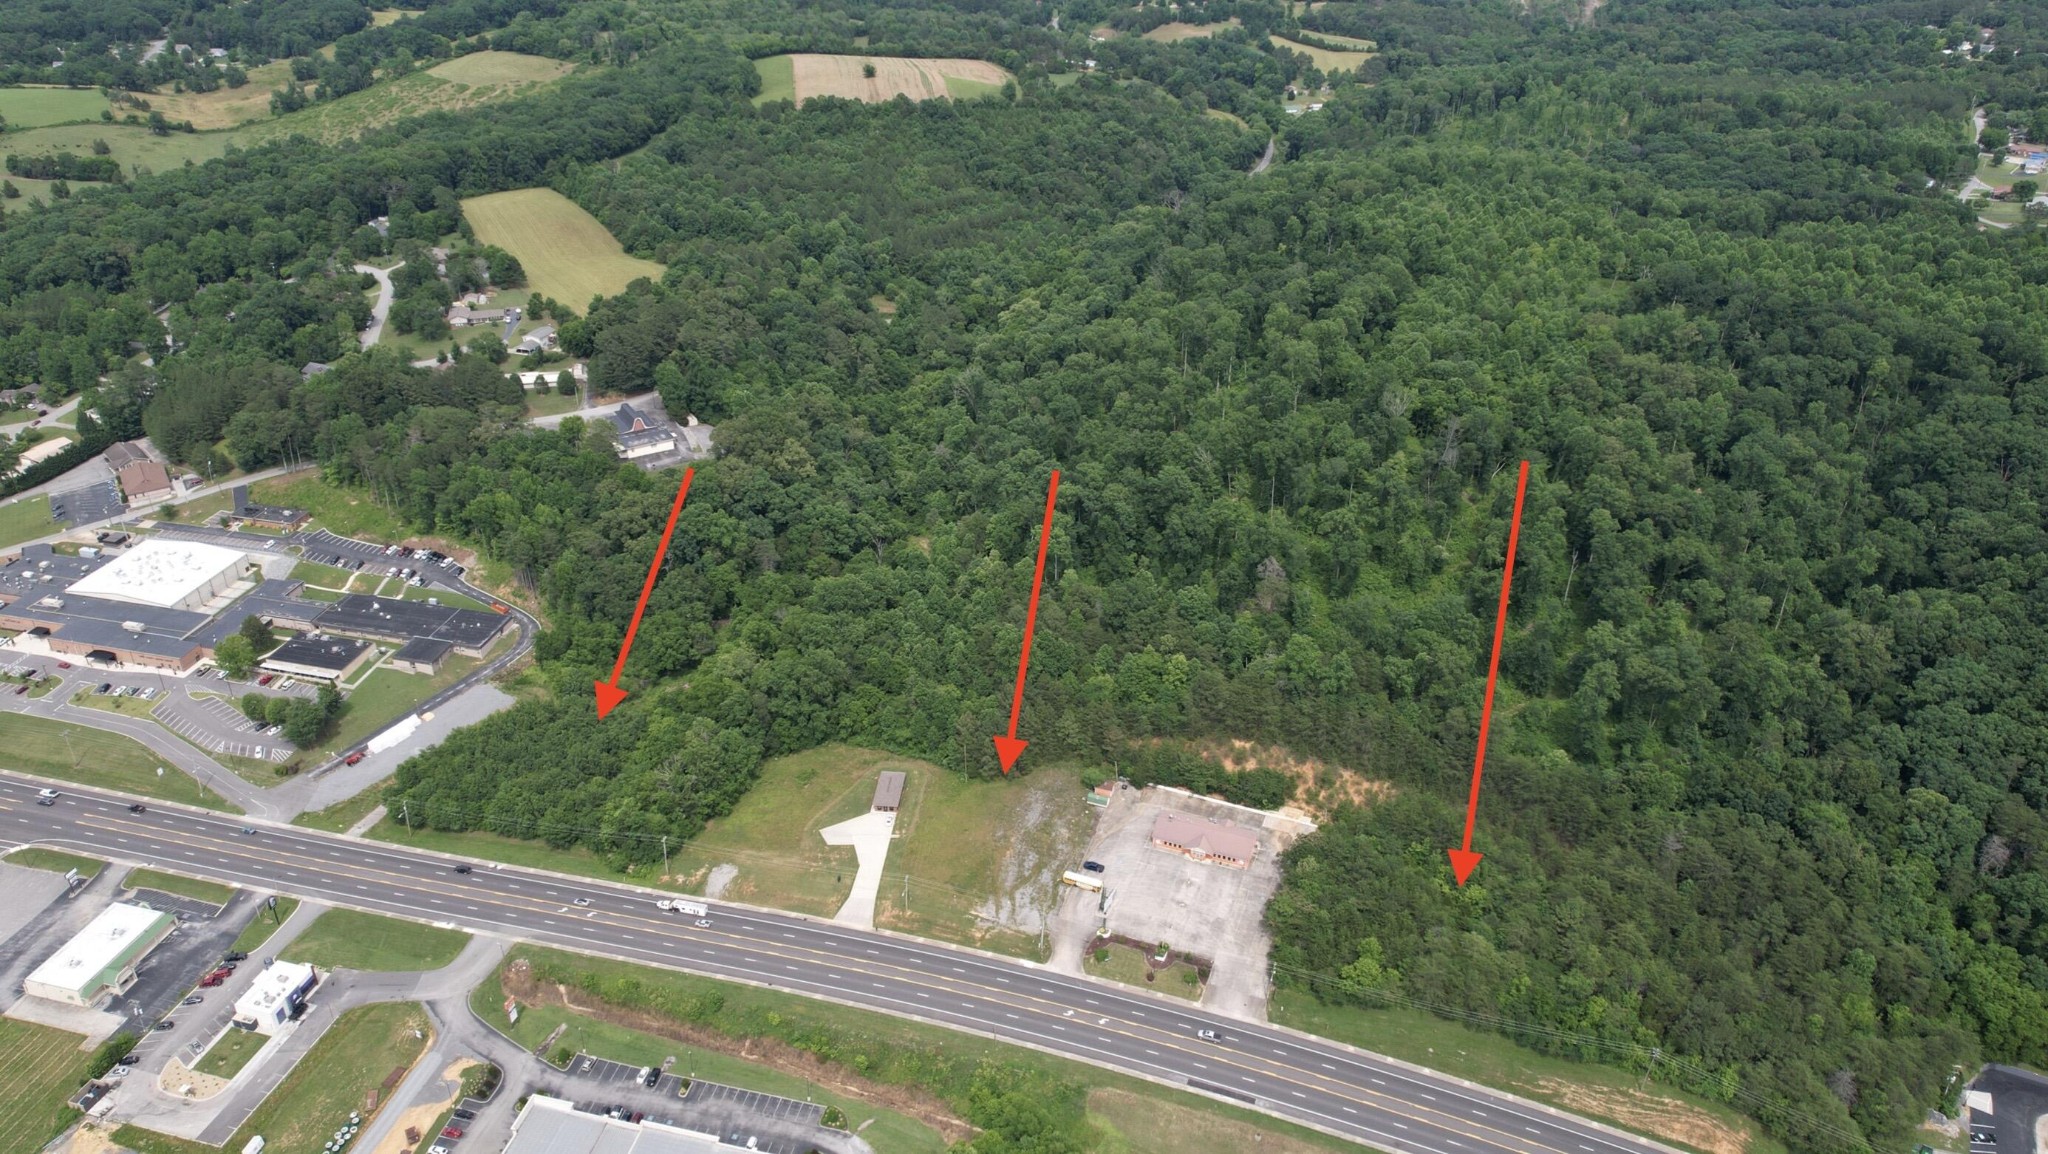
{"type": "Point", "coordinates": [703, 923]}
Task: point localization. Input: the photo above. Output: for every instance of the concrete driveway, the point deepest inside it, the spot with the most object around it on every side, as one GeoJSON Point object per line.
{"type": "Point", "coordinates": [382, 308]}
{"type": "Point", "coordinates": [869, 835]}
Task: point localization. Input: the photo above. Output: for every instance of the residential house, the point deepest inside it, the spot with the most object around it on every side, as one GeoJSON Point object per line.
{"type": "Point", "coordinates": [462, 316]}
{"type": "Point", "coordinates": [143, 482]}
{"type": "Point", "coordinates": [540, 339]}
{"type": "Point", "coordinates": [123, 454]}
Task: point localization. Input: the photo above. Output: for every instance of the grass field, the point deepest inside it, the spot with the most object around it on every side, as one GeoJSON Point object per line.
{"type": "Point", "coordinates": [230, 1052]}
{"type": "Point", "coordinates": [816, 74]}
{"type": "Point", "coordinates": [465, 82]}
{"type": "Point", "coordinates": [383, 698]}
{"type": "Point", "coordinates": [346, 939]}
{"type": "Point", "coordinates": [548, 403]}
{"type": "Point", "coordinates": [960, 846]}
{"type": "Point", "coordinates": [212, 892]}
{"type": "Point", "coordinates": [226, 107]}
{"type": "Point", "coordinates": [888, 1130]}
{"type": "Point", "coordinates": [1168, 33]}
{"type": "Point", "coordinates": [43, 1067]}
{"type": "Point", "coordinates": [341, 816]}
{"type": "Point", "coordinates": [35, 106]}
{"type": "Point", "coordinates": [1128, 1123]}
{"type": "Point", "coordinates": [56, 861]}
{"type": "Point", "coordinates": [324, 576]}
{"type": "Point", "coordinates": [343, 511]}
{"type": "Point", "coordinates": [1231, 117]}
{"type": "Point", "coordinates": [384, 16]}
{"type": "Point", "coordinates": [25, 519]}
{"type": "Point", "coordinates": [568, 255]}
{"type": "Point", "coordinates": [1325, 59]}
{"type": "Point", "coordinates": [259, 930]}
{"type": "Point", "coordinates": [363, 1048]}
{"type": "Point", "coordinates": [130, 144]}
{"type": "Point", "coordinates": [1601, 1092]}
{"type": "Point", "coordinates": [1350, 42]}
{"type": "Point", "coordinates": [879, 1034]}
{"type": "Point", "coordinates": [94, 757]}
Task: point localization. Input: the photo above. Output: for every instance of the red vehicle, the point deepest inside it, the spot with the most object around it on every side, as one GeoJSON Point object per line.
{"type": "Point", "coordinates": [452, 1132]}
{"type": "Point", "coordinates": [352, 758]}
{"type": "Point", "coordinates": [266, 679]}
{"type": "Point", "coordinates": [212, 980]}
{"type": "Point", "coordinates": [20, 689]}
{"type": "Point", "coordinates": [63, 665]}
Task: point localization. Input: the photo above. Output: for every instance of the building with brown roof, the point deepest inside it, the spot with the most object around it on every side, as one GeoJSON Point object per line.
{"type": "Point", "coordinates": [888, 793]}
{"type": "Point", "coordinates": [145, 481]}
{"type": "Point", "coordinates": [1205, 841]}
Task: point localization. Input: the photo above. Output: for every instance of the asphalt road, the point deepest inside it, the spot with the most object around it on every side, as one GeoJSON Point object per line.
{"type": "Point", "coordinates": [1372, 1100]}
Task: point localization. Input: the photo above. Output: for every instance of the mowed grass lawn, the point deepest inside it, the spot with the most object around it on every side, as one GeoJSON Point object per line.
{"type": "Point", "coordinates": [363, 1048]}
{"type": "Point", "coordinates": [338, 510]}
{"type": "Point", "coordinates": [778, 79]}
{"type": "Point", "coordinates": [567, 254]}
{"type": "Point", "coordinates": [1325, 59]}
{"type": "Point", "coordinates": [25, 519]}
{"type": "Point", "coordinates": [38, 745]}
{"type": "Point", "coordinates": [265, 923]}
{"type": "Point", "coordinates": [131, 144]}
{"type": "Point", "coordinates": [193, 888]}
{"type": "Point", "coordinates": [36, 106]}
{"type": "Point", "coordinates": [56, 861]}
{"type": "Point", "coordinates": [346, 939]}
{"type": "Point", "coordinates": [230, 1052]}
{"type": "Point", "coordinates": [43, 1066]}
{"type": "Point", "coordinates": [385, 696]}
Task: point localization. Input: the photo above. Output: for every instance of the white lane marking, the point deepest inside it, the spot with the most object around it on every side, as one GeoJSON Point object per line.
{"type": "Point", "coordinates": [1425, 1097]}
{"type": "Point", "coordinates": [1402, 1125]}
{"type": "Point", "coordinates": [1154, 1053]}
{"type": "Point", "coordinates": [1297, 1093]}
{"type": "Point", "coordinates": [1060, 1028]}
{"type": "Point", "coordinates": [1377, 1082]}
{"type": "Point", "coordinates": [1327, 1066]}
{"type": "Point", "coordinates": [1012, 1017]}
{"type": "Point", "coordinates": [1347, 1109]}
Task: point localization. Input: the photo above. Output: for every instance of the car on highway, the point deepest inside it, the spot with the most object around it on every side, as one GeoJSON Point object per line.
{"type": "Point", "coordinates": [1207, 1035]}
{"type": "Point", "coordinates": [249, 829]}
{"type": "Point", "coordinates": [138, 807]}
{"type": "Point", "coordinates": [462, 869]}
{"type": "Point", "coordinates": [48, 797]}
{"type": "Point", "coordinates": [580, 902]}
{"type": "Point", "coordinates": [703, 923]}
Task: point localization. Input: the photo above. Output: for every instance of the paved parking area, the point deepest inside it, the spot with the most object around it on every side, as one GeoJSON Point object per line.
{"type": "Point", "coordinates": [740, 1117]}
{"type": "Point", "coordinates": [171, 970]}
{"type": "Point", "coordinates": [759, 1104]}
{"type": "Point", "coordinates": [92, 503]}
{"type": "Point", "coordinates": [2018, 1111]}
{"type": "Point", "coordinates": [221, 727]}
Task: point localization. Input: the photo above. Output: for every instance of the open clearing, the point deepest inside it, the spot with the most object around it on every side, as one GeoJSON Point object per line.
{"type": "Point", "coordinates": [976, 862]}
{"type": "Point", "coordinates": [814, 74]}
{"type": "Point", "coordinates": [1325, 59]}
{"type": "Point", "coordinates": [130, 144]}
{"type": "Point", "coordinates": [36, 106]}
{"type": "Point", "coordinates": [25, 518]}
{"type": "Point", "coordinates": [1168, 33]}
{"type": "Point", "coordinates": [465, 82]}
{"type": "Point", "coordinates": [226, 107]}
{"type": "Point", "coordinates": [348, 1064]}
{"type": "Point", "coordinates": [384, 16]}
{"type": "Point", "coordinates": [56, 861]}
{"type": "Point", "coordinates": [43, 1067]}
{"type": "Point", "coordinates": [97, 758]}
{"type": "Point", "coordinates": [567, 254]}
{"type": "Point", "coordinates": [1135, 1124]}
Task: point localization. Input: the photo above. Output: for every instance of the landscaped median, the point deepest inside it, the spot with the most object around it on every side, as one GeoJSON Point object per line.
{"type": "Point", "coordinates": [348, 940]}
{"type": "Point", "coordinates": [56, 861]}
{"type": "Point", "coordinates": [213, 893]}
{"type": "Point", "coordinates": [937, 1084]}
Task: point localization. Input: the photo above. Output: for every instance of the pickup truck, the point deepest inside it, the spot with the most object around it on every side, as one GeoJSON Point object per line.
{"type": "Point", "coordinates": [694, 909]}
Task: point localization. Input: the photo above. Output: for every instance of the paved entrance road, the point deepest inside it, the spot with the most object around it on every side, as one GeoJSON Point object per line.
{"type": "Point", "coordinates": [1374, 1100]}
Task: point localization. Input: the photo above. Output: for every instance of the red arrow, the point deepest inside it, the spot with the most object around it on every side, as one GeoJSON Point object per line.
{"type": "Point", "coordinates": [1464, 860]}
{"type": "Point", "coordinates": [609, 696]}
{"type": "Point", "coordinates": [1007, 748]}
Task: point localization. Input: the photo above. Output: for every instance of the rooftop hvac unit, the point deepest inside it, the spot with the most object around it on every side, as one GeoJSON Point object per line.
{"type": "Point", "coordinates": [133, 626]}
{"type": "Point", "coordinates": [51, 603]}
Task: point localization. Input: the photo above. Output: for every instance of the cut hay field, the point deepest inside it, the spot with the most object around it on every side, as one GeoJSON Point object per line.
{"type": "Point", "coordinates": [226, 107]}
{"type": "Point", "coordinates": [567, 254]}
{"type": "Point", "coordinates": [35, 106]}
{"type": "Point", "coordinates": [1325, 59]}
{"type": "Point", "coordinates": [127, 143]}
{"type": "Point", "coordinates": [43, 1067]}
{"type": "Point", "coordinates": [812, 74]}
{"type": "Point", "coordinates": [465, 82]}
{"type": "Point", "coordinates": [1168, 33]}
{"type": "Point", "coordinates": [384, 16]}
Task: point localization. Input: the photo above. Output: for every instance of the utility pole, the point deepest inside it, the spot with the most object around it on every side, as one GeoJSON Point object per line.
{"type": "Point", "coordinates": [664, 855]}
{"type": "Point", "coordinates": [405, 812]}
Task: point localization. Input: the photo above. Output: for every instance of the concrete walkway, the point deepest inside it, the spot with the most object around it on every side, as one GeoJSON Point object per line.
{"type": "Point", "coordinates": [869, 835]}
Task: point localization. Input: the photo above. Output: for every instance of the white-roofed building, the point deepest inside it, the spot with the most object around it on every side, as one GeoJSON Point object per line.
{"type": "Point", "coordinates": [552, 1126]}
{"type": "Point", "coordinates": [165, 574]}
{"type": "Point", "coordinates": [99, 961]}
{"type": "Point", "coordinates": [274, 997]}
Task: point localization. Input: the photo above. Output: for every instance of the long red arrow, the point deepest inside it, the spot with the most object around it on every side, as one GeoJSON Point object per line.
{"type": "Point", "coordinates": [1007, 748]}
{"type": "Point", "coordinates": [1464, 860]}
{"type": "Point", "coordinates": [609, 696]}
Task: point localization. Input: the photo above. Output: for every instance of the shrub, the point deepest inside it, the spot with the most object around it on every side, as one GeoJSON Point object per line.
{"type": "Point", "coordinates": [110, 1051]}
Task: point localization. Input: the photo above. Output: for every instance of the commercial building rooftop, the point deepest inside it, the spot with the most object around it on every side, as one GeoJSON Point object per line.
{"type": "Point", "coordinates": [330, 654]}
{"type": "Point", "coordinates": [162, 572]}
{"type": "Point", "coordinates": [552, 1126]}
{"type": "Point", "coordinates": [386, 617]}
{"type": "Point", "coordinates": [424, 650]}
{"type": "Point", "coordinates": [105, 944]}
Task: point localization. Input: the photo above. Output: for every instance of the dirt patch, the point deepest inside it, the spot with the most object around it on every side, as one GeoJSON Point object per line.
{"type": "Point", "coordinates": [820, 75]}
{"type": "Point", "coordinates": [1320, 789]}
{"type": "Point", "coordinates": [1666, 1118]}
{"type": "Point", "coordinates": [88, 1139]}
{"type": "Point", "coordinates": [776, 1055]}
{"type": "Point", "coordinates": [423, 1115]}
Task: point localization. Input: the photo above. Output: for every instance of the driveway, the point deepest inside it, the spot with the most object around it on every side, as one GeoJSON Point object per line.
{"type": "Point", "coordinates": [869, 835]}
{"type": "Point", "coordinates": [382, 308]}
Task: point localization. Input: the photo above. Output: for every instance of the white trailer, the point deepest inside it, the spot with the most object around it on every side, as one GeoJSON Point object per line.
{"type": "Point", "coordinates": [1081, 881]}
{"type": "Point", "coordinates": [694, 909]}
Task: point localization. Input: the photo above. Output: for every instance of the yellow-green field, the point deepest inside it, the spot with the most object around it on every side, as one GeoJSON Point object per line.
{"type": "Point", "coordinates": [1179, 31]}
{"type": "Point", "coordinates": [1350, 42]}
{"type": "Point", "coordinates": [465, 82]}
{"type": "Point", "coordinates": [226, 107]}
{"type": "Point", "coordinates": [1325, 59]}
{"type": "Point", "coordinates": [803, 75]}
{"type": "Point", "coordinates": [567, 254]}
{"type": "Point", "coordinates": [1219, 114]}
{"type": "Point", "coordinates": [127, 143]}
{"type": "Point", "coordinates": [37, 105]}
{"type": "Point", "coordinates": [26, 518]}
{"type": "Point", "coordinates": [43, 1067]}
{"type": "Point", "coordinates": [384, 16]}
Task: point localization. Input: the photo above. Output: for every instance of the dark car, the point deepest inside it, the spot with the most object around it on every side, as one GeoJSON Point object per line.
{"type": "Point", "coordinates": [126, 1060]}
{"type": "Point", "coordinates": [235, 956]}
{"type": "Point", "coordinates": [652, 1077]}
{"type": "Point", "coordinates": [20, 689]}
{"type": "Point", "coordinates": [164, 1025]}
{"type": "Point", "coordinates": [1094, 867]}
{"type": "Point", "coordinates": [465, 1115]}
{"type": "Point", "coordinates": [104, 686]}
{"type": "Point", "coordinates": [138, 807]}
{"type": "Point", "coordinates": [462, 869]}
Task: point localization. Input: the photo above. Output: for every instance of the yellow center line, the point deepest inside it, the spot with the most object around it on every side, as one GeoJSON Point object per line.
{"type": "Point", "coordinates": [1055, 1012]}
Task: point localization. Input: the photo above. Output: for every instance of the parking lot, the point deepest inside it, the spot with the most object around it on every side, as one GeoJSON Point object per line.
{"type": "Point", "coordinates": [759, 1104]}
{"type": "Point", "coordinates": [740, 1117]}
{"type": "Point", "coordinates": [84, 506]}
{"type": "Point", "coordinates": [220, 726]}
{"type": "Point", "coordinates": [171, 970]}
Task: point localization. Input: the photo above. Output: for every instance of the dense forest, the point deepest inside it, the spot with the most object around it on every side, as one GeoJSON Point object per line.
{"type": "Point", "coordinates": [1767, 808]}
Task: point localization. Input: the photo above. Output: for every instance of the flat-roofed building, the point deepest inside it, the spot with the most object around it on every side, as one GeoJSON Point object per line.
{"type": "Point", "coordinates": [420, 655]}
{"type": "Point", "coordinates": [274, 997]}
{"type": "Point", "coordinates": [318, 658]}
{"type": "Point", "coordinates": [165, 574]}
{"type": "Point", "coordinates": [386, 619]}
{"type": "Point", "coordinates": [99, 961]}
{"type": "Point", "coordinates": [888, 792]}
{"type": "Point", "coordinates": [551, 1126]}
{"type": "Point", "coordinates": [1205, 841]}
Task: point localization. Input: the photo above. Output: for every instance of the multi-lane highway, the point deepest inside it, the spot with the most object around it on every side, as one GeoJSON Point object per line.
{"type": "Point", "coordinates": [1375, 1101]}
